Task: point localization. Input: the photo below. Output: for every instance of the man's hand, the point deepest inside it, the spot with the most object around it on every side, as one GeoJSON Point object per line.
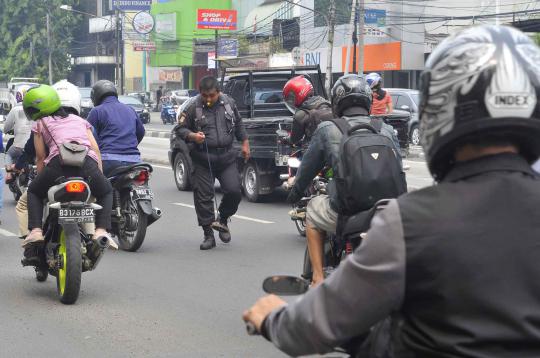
{"type": "Point", "coordinates": [197, 137]}
{"type": "Point", "coordinates": [246, 151]}
{"type": "Point", "coordinates": [261, 309]}
{"type": "Point", "coordinates": [294, 196]}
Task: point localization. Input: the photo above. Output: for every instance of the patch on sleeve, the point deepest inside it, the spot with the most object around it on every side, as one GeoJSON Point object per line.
{"type": "Point", "coordinates": [182, 118]}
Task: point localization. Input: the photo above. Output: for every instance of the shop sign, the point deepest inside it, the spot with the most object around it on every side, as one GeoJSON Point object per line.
{"type": "Point", "coordinates": [215, 19]}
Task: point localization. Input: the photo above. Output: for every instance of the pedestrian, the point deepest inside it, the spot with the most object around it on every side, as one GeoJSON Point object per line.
{"type": "Point", "coordinates": [209, 125]}
{"type": "Point", "coordinates": [159, 93]}
{"type": "Point", "coordinates": [382, 101]}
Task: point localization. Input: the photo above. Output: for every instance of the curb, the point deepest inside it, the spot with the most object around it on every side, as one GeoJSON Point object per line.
{"type": "Point", "coordinates": [157, 134]}
{"type": "Point", "coordinates": [156, 161]}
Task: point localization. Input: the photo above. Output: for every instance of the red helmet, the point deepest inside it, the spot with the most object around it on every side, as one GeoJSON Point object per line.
{"type": "Point", "coordinates": [296, 91]}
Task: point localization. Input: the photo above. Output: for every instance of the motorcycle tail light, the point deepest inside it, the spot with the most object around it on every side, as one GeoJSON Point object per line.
{"type": "Point", "coordinates": [75, 187]}
{"type": "Point", "coordinates": [142, 176]}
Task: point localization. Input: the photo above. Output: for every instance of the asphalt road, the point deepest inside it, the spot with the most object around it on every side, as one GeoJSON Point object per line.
{"type": "Point", "coordinates": [167, 300]}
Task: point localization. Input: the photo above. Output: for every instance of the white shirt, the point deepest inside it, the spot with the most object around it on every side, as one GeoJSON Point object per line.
{"type": "Point", "coordinates": [16, 120]}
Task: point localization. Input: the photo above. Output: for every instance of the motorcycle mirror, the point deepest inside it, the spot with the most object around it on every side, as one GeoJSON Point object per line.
{"type": "Point", "coordinates": [285, 285]}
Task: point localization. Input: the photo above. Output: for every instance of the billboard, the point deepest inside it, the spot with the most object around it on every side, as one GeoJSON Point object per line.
{"type": "Point", "coordinates": [165, 27]}
{"type": "Point", "coordinates": [131, 5]}
{"type": "Point", "coordinates": [228, 48]}
{"type": "Point", "coordinates": [377, 57]}
{"type": "Point", "coordinates": [215, 19]}
{"type": "Point", "coordinates": [375, 17]}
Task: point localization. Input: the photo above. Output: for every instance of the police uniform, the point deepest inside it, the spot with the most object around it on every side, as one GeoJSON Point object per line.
{"type": "Point", "coordinates": [220, 124]}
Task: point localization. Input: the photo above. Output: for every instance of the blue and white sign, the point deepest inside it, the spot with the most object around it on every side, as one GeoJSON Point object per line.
{"type": "Point", "coordinates": [375, 17]}
{"type": "Point", "coordinates": [131, 5]}
{"type": "Point", "coordinates": [228, 48]}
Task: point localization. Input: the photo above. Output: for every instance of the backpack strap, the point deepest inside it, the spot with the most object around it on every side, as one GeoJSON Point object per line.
{"type": "Point", "coordinates": [199, 116]}
{"type": "Point", "coordinates": [227, 104]}
{"type": "Point", "coordinates": [342, 124]}
{"type": "Point", "coordinates": [376, 123]}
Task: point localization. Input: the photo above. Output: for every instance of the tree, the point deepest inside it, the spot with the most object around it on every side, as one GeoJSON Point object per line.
{"type": "Point", "coordinates": [24, 32]}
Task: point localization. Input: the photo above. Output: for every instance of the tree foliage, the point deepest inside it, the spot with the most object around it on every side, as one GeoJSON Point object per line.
{"type": "Point", "coordinates": [23, 31]}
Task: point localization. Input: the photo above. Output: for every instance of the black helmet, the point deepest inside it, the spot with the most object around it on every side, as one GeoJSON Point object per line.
{"type": "Point", "coordinates": [102, 89]}
{"type": "Point", "coordinates": [480, 83]}
{"type": "Point", "coordinates": [350, 91]}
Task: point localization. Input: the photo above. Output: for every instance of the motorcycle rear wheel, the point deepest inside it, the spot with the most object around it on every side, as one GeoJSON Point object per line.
{"type": "Point", "coordinates": [68, 279]}
{"type": "Point", "coordinates": [301, 227]}
{"type": "Point", "coordinates": [328, 261]}
{"type": "Point", "coordinates": [132, 240]}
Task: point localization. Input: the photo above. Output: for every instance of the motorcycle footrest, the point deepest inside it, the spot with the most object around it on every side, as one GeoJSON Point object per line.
{"type": "Point", "coordinates": [31, 261]}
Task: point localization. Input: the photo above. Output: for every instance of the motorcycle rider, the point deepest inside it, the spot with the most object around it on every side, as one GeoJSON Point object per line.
{"type": "Point", "coordinates": [382, 101]}
{"type": "Point", "coordinates": [456, 261]}
{"type": "Point", "coordinates": [17, 122]}
{"type": "Point", "coordinates": [70, 99]}
{"type": "Point", "coordinates": [55, 125]}
{"type": "Point", "coordinates": [309, 110]}
{"type": "Point", "coordinates": [118, 128]}
{"type": "Point", "coordinates": [351, 97]}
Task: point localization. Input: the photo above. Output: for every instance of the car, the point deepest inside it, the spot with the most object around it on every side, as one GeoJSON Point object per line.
{"type": "Point", "coordinates": [407, 100]}
{"type": "Point", "coordinates": [138, 106]}
{"type": "Point", "coordinates": [180, 96]}
{"type": "Point", "coordinates": [86, 101]}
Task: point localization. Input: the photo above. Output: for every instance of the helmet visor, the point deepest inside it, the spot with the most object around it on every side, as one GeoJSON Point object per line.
{"type": "Point", "coordinates": [290, 102]}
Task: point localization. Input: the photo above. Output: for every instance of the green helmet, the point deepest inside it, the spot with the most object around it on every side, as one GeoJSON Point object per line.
{"type": "Point", "coordinates": [41, 101]}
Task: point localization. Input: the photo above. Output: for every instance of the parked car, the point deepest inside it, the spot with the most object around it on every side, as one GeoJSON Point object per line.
{"type": "Point", "coordinates": [138, 106]}
{"type": "Point", "coordinates": [86, 101]}
{"type": "Point", "coordinates": [407, 100]}
{"type": "Point", "coordinates": [180, 96]}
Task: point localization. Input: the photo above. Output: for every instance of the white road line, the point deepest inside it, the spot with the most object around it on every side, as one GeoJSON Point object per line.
{"type": "Point", "coordinates": [7, 233]}
{"type": "Point", "coordinates": [247, 218]}
{"type": "Point", "coordinates": [161, 166]}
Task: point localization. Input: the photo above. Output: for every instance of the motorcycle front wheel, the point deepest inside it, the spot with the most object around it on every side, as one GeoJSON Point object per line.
{"type": "Point", "coordinates": [68, 279]}
{"type": "Point", "coordinates": [133, 231]}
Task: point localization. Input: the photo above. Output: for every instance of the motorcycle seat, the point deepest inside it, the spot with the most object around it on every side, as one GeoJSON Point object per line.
{"type": "Point", "coordinates": [127, 168]}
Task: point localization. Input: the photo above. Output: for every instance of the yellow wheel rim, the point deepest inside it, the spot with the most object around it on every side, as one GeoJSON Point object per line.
{"type": "Point", "coordinates": [63, 257]}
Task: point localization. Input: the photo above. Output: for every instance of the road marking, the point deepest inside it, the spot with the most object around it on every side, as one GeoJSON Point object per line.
{"type": "Point", "coordinates": [7, 233]}
{"type": "Point", "coordinates": [161, 166]}
{"type": "Point", "coordinates": [247, 218]}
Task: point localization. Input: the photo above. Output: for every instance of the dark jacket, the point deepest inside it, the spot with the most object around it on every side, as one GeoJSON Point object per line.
{"type": "Point", "coordinates": [219, 127]}
{"type": "Point", "coordinates": [117, 126]}
{"type": "Point", "coordinates": [323, 151]}
{"type": "Point", "coordinates": [458, 261]}
{"type": "Point", "coordinates": [305, 124]}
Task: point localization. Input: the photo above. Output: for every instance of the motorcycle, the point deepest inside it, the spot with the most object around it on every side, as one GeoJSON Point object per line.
{"type": "Point", "coordinates": [69, 249]}
{"type": "Point", "coordinates": [168, 113]}
{"type": "Point", "coordinates": [343, 243]}
{"type": "Point", "coordinates": [132, 209]}
{"type": "Point", "coordinates": [20, 180]}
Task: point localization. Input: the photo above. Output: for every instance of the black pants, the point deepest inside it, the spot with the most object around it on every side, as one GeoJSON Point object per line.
{"type": "Point", "coordinates": [99, 185]}
{"type": "Point", "coordinates": [224, 168]}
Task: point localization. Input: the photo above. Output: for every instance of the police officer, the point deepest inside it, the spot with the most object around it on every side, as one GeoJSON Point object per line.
{"type": "Point", "coordinates": [209, 125]}
{"type": "Point", "coordinates": [458, 262]}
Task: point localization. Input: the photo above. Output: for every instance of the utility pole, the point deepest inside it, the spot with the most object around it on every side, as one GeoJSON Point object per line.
{"type": "Point", "coordinates": [361, 23]}
{"type": "Point", "coordinates": [49, 49]}
{"type": "Point", "coordinates": [354, 17]}
{"type": "Point", "coordinates": [216, 48]}
{"type": "Point", "coordinates": [331, 27]}
{"type": "Point", "coordinates": [118, 72]}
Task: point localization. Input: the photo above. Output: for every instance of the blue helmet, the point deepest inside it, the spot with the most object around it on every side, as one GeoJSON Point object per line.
{"type": "Point", "coordinates": [373, 79]}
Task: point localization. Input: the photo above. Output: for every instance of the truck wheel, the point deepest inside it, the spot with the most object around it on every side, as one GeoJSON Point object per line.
{"type": "Point", "coordinates": [182, 172]}
{"type": "Point", "coordinates": [251, 182]}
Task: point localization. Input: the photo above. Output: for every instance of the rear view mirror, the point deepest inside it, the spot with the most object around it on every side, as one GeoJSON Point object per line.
{"type": "Point", "coordinates": [405, 108]}
{"type": "Point", "coordinates": [285, 285]}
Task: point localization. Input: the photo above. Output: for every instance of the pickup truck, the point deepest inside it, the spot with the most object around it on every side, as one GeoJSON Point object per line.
{"type": "Point", "coordinates": [258, 96]}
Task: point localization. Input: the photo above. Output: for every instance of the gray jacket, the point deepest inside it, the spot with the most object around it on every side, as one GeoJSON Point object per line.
{"type": "Point", "coordinates": [16, 120]}
{"type": "Point", "coordinates": [323, 151]}
{"type": "Point", "coordinates": [457, 261]}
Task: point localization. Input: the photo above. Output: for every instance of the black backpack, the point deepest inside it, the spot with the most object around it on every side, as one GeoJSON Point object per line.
{"type": "Point", "coordinates": [368, 169]}
{"type": "Point", "coordinates": [317, 115]}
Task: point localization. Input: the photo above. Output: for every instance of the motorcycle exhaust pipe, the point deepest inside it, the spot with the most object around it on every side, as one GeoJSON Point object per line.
{"type": "Point", "coordinates": [96, 249]}
{"type": "Point", "coordinates": [156, 214]}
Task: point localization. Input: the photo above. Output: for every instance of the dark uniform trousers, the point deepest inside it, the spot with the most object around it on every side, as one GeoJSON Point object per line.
{"type": "Point", "coordinates": [225, 170]}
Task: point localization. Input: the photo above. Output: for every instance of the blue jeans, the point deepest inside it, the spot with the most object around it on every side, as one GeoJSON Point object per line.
{"type": "Point", "coordinates": [110, 165]}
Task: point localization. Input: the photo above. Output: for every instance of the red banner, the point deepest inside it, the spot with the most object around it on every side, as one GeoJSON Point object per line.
{"type": "Point", "coordinates": [215, 19]}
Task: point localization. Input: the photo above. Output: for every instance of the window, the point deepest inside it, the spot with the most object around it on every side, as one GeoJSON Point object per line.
{"type": "Point", "coordinates": [404, 101]}
{"type": "Point", "coordinates": [395, 98]}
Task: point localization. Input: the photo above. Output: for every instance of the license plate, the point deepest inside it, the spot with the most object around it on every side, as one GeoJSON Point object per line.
{"type": "Point", "coordinates": [143, 194]}
{"type": "Point", "coordinates": [79, 215]}
{"type": "Point", "coordinates": [282, 160]}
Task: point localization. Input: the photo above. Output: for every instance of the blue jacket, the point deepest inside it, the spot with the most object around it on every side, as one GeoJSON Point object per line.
{"type": "Point", "coordinates": [117, 127]}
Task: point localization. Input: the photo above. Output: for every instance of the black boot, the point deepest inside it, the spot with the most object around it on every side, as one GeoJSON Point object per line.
{"type": "Point", "coordinates": [209, 242]}
{"type": "Point", "coordinates": [223, 229]}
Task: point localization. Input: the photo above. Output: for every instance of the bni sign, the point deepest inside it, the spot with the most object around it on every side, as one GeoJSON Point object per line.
{"type": "Point", "coordinates": [130, 5]}
{"type": "Point", "coordinates": [214, 19]}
